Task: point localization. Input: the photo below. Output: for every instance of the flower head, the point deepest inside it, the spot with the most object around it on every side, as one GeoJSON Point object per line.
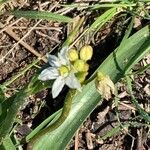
{"type": "Point", "coordinates": [61, 70]}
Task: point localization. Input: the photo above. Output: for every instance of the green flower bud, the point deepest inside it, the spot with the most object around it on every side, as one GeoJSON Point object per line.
{"type": "Point", "coordinates": [86, 67]}
{"type": "Point", "coordinates": [63, 70]}
{"type": "Point", "coordinates": [100, 76]}
{"type": "Point", "coordinates": [86, 52]}
{"type": "Point", "coordinates": [79, 65]}
{"type": "Point", "coordinates": [73, 54]}
{"type": "Point", "coordinates": [81, 76]}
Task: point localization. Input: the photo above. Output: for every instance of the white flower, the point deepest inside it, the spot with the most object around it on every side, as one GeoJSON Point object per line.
{"type": "Point", "coordinates": [60, 70]}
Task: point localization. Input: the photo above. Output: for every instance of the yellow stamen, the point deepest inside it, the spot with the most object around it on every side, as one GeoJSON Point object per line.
{"type": "Point", "coordinates": [63, 70]}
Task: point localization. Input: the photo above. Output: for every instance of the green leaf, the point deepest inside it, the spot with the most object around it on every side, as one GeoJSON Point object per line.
{"type": "Point", "coordinates": [2, 96]}
{"type": "Point", "coordinates": [3, 110]}
{"type": "Point", "coordinates": [81, 107]}
{"type": "Point", "coordinates": [42, 125]}
{"type": "Point", "coordinates": [120, 61]}
{"type": "Point", "coordinates": [113, 132]}
{"type": "Point", "coordinates": [4, 1]}
{"type": "Point", "coordinates": [8, 144]}
{"type": "Point", "coordinates": [98, 6]}
{"type": "Point", "coordinates": [41, 15]}
{"type": "Point", "coordinates": [11, 106]}
{"type": "Point", "coordinates": [102, 19]}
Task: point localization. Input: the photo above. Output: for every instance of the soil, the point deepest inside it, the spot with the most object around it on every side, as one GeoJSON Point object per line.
{"type": "Point", "coordinates": [48, 36]}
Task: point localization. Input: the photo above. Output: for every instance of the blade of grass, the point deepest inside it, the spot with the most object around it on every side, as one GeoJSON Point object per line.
{"type": "Point", "coordinates": [7, 83]}
{"type": "Point", "coordinates": [2, 96]}
{"type": "Point", "coordinates": [8, 144]}
{"type": "Point", "coordinates": [98, 6]}
{"type": "Point", "coordinates": [4, 1]}
{"type": "Point", "coordinates": [113, 131]}
{"type": "Point", "coordinates": [41, 15]}
{"type": "Point", "coordinates": [99, 22]}
{"type": "Point", "coordinates": [42, 125]}
{"type": "Point", "coordinates": [142, 70]}
{"type": "Point", "coordinates": [141, 111]}
{"type": "Point", "coordinates": [127, 33]}
{"type": "Point", "coordinates": [119, 128]}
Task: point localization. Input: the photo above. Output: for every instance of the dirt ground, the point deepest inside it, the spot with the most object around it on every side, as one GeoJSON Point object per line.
{"type": "Point", "coordinates": [22, 41]}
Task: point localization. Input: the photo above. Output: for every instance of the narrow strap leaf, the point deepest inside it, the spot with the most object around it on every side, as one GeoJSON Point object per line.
{"type": "Point", "coordinates": [41, 15]}
{"type": "Point", "coordinates": [61, 119]}
{"type": "Point", "coordinates": [8, 144]}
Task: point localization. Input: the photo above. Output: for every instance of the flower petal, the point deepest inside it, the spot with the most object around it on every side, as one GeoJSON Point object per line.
{"type": "Point", "coordinates": [48, 74]}
{"type": "Point", "coordinates": [63, 51]}
{"type": "Point", "coordinates": [63, 60]}
{"type": "Point", "coordinates": [73, 82]}
{"type": "Point", "coordinates": [53, 61]}
{"type": "Point", "coordinates": [62, 55]}
{"type": "Point", "coordinates": [57, 86]}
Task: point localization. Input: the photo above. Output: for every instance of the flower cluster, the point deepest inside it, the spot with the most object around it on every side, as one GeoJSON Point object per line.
{"type": "Point", "coordinates": [79, 60]}
{"type": "Point", "coordinates": [68, 68]}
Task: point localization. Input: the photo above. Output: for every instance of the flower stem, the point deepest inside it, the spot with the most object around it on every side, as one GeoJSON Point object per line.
{"type": "Point", "coordinates": [61, 119]}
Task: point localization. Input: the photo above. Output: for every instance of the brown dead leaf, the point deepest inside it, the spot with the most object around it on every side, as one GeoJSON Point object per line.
{"type": "Point", "coordinates": [105, 86]}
